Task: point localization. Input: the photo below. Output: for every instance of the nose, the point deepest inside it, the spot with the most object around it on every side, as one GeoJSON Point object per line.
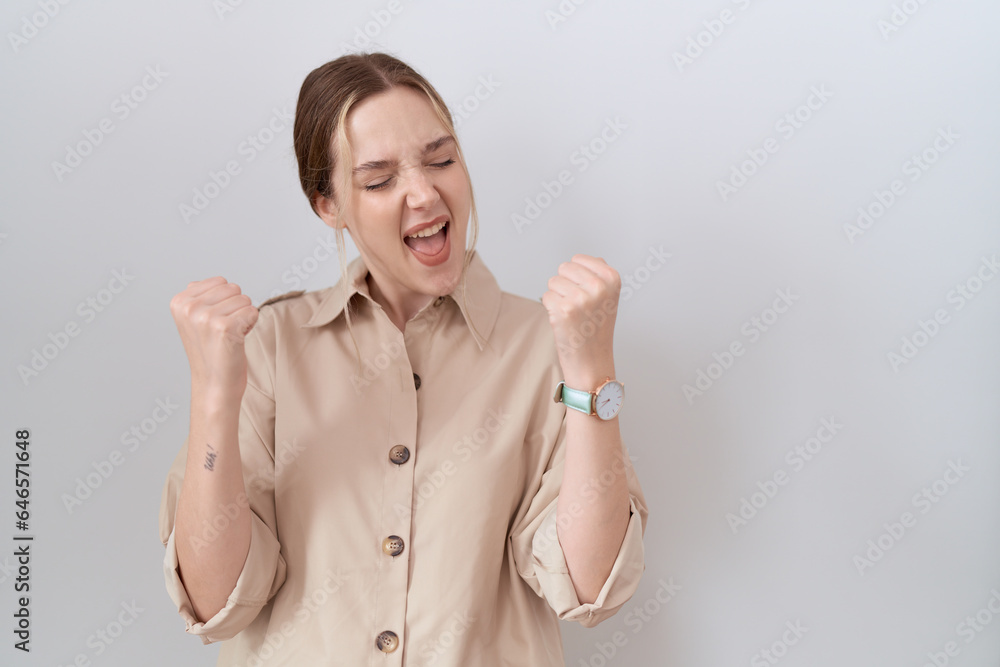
{"type": "Point", "coordinates": [421, 192]}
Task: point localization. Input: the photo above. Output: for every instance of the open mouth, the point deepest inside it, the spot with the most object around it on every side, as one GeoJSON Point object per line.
{"type": "Point", "coordinates": [429, 246]}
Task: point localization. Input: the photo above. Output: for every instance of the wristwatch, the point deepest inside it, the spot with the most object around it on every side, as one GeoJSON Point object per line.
{"type": "Point", "coordinates": [605, 401]}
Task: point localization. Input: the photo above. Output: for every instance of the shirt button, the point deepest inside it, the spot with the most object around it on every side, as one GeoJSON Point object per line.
{"type": "Point", "coordinates": [416, 381]}
{"type": "Point", "coordinates": [399, 454]}
{"type": "Point", "coordinates": [387, 641]}
{"type": "Point", "coordinates": [393, 545]}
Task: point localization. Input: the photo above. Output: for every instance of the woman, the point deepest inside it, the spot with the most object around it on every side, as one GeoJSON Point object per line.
{"type": "Point", "coordinates": [374, 470]}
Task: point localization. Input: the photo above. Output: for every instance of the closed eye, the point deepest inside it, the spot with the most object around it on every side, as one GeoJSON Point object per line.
{"type": "Point", "coordinates": [385, 183]}
{"type": "Point", "coordinates": [378, 186]}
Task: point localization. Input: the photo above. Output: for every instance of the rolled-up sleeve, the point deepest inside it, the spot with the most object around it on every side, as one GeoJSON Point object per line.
{"type": "Point", "coordinates": [539, 556]}
{"type": "Point", "coordinates": [263, 571]}
{"type": "Point", "coordinates": [552, 575]}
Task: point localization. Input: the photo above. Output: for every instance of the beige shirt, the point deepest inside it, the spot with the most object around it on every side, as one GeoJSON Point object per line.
{"type": "Point", "coordinates": [406, 515]}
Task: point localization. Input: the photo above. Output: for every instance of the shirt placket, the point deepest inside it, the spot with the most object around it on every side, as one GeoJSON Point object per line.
{"type": "Point", "coordinates": [397, 494]}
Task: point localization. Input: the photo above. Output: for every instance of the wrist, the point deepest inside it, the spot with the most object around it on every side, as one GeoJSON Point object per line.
{"type": "Point", "coordinates": [604, 400]}
{"type": "Point", "coordinates": [589, 377]}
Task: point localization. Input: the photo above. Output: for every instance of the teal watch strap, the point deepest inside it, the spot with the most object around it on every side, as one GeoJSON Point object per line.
{"type": "Point", "coordinates": [575, 398]}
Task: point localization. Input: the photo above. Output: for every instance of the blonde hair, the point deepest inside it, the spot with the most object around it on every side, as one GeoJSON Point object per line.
{"type": "Point", "coordinates": [326, 98]}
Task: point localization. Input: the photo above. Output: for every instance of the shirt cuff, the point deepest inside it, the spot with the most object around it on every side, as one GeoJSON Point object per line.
{"type": "Point", "coordinates": [553, 575]}
{"type": "Point", "coordinates": [262, 575]}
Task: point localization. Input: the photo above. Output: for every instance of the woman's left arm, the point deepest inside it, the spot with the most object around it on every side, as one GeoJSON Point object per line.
{"type": "Point", "coordinates": [594, 508]}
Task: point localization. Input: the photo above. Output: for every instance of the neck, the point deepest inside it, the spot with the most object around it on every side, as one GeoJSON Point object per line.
{"type": "Point", "coordinates": [399, 308]}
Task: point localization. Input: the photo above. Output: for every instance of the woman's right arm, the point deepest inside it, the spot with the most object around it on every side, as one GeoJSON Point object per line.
{"type": "Point", "coordinates": [212, 525]}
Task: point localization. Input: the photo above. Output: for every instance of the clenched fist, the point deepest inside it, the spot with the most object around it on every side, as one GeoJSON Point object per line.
{"type": "Point", "coordinates": [582, 302]}
{"type": "Point", "coordinates": [213, 318]}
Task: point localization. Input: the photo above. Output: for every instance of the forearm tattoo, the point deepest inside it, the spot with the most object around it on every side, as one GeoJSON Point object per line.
{"type": "Point", "coordinates": [210, 458]}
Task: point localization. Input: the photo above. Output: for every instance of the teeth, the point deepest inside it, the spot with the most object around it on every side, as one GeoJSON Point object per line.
{"type": "Point", "coordinates": [430, 231]}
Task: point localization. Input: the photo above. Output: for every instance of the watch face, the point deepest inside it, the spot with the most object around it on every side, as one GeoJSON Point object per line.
{"type": "Point", "coordinates": [609, 400]}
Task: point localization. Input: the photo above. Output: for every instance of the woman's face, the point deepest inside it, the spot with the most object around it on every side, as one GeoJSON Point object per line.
{"type": "Point", "coordinates": [405, 173]}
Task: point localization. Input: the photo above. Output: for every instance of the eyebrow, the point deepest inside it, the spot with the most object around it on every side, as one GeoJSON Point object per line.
{"type": "Point", "coordinates": [375, 165]}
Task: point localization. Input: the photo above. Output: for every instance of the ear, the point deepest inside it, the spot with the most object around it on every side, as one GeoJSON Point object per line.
{"type": "Point", "coordinates": [328, 212]}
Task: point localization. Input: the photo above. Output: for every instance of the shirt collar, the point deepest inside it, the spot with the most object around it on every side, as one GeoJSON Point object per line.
{"type": "Point", "coordinates": [481, 292]}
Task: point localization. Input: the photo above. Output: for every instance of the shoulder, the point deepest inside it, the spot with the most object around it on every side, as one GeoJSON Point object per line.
{"type": "Point", "coordinates": [527, 345]}
{"type": "Point", "coordinates": [285, 313]}
{"type": "Point", "coordinates": [521, 309]}
{"type": "Point", "coordinates": [282, 297]}
{"type": "Point", "coordinates": [278, 327]}
{"type": "Point", "coordinates": [297, 305]}
{"type": "Point", "coordinates": [524, 323]}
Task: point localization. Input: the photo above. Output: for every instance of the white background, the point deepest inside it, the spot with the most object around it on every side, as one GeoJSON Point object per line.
{"type": "Point", "coordinates": [555, 84]}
